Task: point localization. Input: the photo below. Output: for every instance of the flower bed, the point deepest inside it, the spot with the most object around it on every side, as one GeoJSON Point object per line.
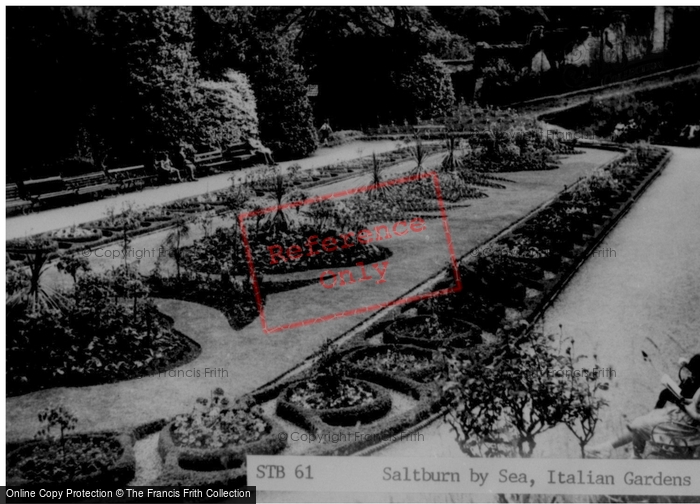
{"type": "Point", "coordinates": [93, 339]}
{"type": "Point", "coordinates": [352, 401]}
{"type": "Point", "coordinates": [213, 254]}
{"type": "Point", "coordinates": [76, 234]}
{"type": "Point", "coordinates": [414, 362]}
{"type": "Point", "coordinates": [82, 459]}
{"type": "Point", "coordinates": [160, 214]}
{"type": "Point", "coordinates": [217, 435]}
{"type": "Point", "coordinates": [431, 331]}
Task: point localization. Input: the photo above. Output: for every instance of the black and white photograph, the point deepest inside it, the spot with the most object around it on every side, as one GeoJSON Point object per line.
{"type": "Point", "coordinates": [351, 253]}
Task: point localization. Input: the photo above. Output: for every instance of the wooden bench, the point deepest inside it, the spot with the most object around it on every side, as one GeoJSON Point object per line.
{"type": "Point", "coordinates": [131, 177]}
{"type": "Point", "coordinates": [47, 190]}
{"type": "Point", "coordinates": [211, 160]}
{"type": "Point", "coordinates": [90, 184]}
{"type": "Point", "coordinates": [429, 129]}
{"type": "Point", "coordinates": [241, 154]}
{"type": "Point", "coordinates": [13, 201]}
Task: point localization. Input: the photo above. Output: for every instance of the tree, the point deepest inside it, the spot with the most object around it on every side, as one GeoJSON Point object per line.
{"type": "Point", "coordinates": [227, 111]}
{"type": "Point", "coordinates": [245, 39]}
{"type": "Point", "coordinates": [286, 118]}
{"type": "Point", "coordinates": [154, 88]}
{"type": "Point", "coordinates": [54, 74]}
{"type": "Point", "coordinates": [425, 88]}
{"type": "Point", "coordinates": [501, 399]}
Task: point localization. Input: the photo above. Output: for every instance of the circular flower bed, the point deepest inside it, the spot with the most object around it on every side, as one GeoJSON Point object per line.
{"type": "Point", "coordinates": [82, 458]}
{"type": "Point", "coordinates": [77, 235]}
{"type": "Point", "coordinates": [430, 331]}
{"type": "Point", "coordinates": [343, 401]}
{"type": "Point", "coordinates": [416, 363]}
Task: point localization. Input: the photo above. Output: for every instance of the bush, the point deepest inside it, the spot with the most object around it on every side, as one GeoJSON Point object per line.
{"type": "Point", "coordinates": [425, 88]}
{"type": "Point", "coordinates": [504, 83]}
{"type": "Point", "coordinates": [228, 111]}
{"type": "Point", "coordinates": [343, 137]}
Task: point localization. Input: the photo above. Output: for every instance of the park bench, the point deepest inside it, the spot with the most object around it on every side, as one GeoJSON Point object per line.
{"type": "Point", "coordinates": [90, 184]}
{"type": "Point", "coordinates": [131, 177]}
{"type": "Point", "coordinates": [240, 154]}
{"type": "Point", "coordinates": [236, 155]}
{"type": "Point", "coordinates": [13, 201]}
{"type": "Point", "coordinates": [211, 160]}
{"type": "Point", "coordinates": [47, 190]}
{"type": "Point", "coordinates": [429, 128]}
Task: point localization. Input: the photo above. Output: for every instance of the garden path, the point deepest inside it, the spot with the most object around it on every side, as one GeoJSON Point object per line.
{"type": "Point", "coordinates": [57, 218]}
{"type": "Point", "coordinates": [249, 357]}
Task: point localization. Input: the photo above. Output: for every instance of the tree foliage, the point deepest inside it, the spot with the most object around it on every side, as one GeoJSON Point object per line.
{"type": "Point", "coordinates": [425, 88]}
{"type": "Point", "coordinates": [150, 52]}
{"type": "Point", "coordinates": [286, 117]}
{"type": "Point", "coordinates": [227, 111]}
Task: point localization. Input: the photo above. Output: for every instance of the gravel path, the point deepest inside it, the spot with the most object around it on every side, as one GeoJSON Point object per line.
{"type": "Point", "coordinates": [148, 463]}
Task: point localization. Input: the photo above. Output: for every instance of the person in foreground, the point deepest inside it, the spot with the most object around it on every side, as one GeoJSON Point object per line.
{"type": "Point", "coordinates": [677, 420]}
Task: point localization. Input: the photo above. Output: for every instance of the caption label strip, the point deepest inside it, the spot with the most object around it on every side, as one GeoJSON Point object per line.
{"type": "Point", "coordinates": [455, 475]}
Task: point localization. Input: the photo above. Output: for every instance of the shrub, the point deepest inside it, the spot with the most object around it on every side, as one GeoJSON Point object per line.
{"type": "Point", "coordinates": [501, 400]}
{"type": "Point", "coordinates": [425, 88]}
{"type": "Point", "coordinates": [227, 111]}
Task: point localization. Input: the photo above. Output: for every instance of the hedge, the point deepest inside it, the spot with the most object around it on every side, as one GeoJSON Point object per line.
{"type": "Point", "coordinates": [307, 417]}
{"type": "Point", "coordinates": [227, 457]}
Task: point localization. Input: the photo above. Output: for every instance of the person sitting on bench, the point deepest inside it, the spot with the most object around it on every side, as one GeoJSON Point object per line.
{"type": "Point", "coordinates": [258, 147]}
{"type": "Point", "coordinates": [184, 163]}
{"type": "Point", "coordinates": [167, 169]}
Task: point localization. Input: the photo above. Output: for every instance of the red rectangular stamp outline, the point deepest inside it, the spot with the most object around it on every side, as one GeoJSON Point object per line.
{"type": "Point", "coordinates": [349, 192]}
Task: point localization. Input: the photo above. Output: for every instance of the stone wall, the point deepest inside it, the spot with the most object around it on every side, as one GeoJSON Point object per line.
{"type": "Point", "coordinates": [557, 61]}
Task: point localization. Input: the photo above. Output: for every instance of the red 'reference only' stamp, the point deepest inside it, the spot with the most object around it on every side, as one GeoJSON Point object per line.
{"type": "Point", "coordinates": [373, 274]}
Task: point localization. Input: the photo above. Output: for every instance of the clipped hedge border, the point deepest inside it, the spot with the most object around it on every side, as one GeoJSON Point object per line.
{"type": "Point", "coordinates": [337, 417]}
{"type": "Point", "coordinates": [394, 333]}
{"type": "Point", "coordinates": [219, 459]}
{"type": "Point", "coordinates": [120, 473]}
{"type": "Point", "coordinates": [353, 355]}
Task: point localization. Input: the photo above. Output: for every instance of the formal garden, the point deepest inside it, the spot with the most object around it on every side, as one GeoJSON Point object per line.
{"type": "Point", "coordinates": [437, 356]}
{"type": "Point", "coordinates": [376, 252]}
